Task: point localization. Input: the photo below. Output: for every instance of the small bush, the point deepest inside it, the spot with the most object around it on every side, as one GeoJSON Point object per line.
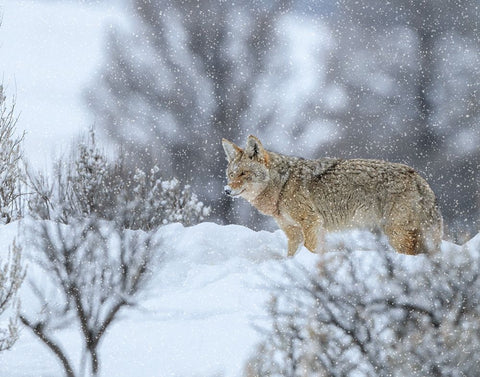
{"type": "Point", "coordinates": [374, 315]}
{"type": "Point", "coordinates": [89, 184]}
{"type": "Point", "coordinates": [10, 170]}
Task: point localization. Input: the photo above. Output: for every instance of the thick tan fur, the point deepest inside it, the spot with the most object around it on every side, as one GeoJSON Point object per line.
{"type": "Point", "coordinates": [310, 197]}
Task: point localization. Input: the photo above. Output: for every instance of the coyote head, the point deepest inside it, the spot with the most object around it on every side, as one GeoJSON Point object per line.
{"type": "Point", "coordinates": [247, 171]}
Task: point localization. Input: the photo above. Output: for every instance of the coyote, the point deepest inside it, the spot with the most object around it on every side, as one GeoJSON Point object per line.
{"type": "Point", "coordinates": [310, 197]}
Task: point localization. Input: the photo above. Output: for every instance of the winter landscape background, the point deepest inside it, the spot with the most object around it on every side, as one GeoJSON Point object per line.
{"type": "Point", "coordinates": [119, 98]}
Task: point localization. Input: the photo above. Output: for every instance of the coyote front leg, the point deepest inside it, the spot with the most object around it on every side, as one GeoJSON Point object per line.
{"type": "Point", "coordinates": [314, 236]}
{"type": "Point", "coordinates": [295, 237]}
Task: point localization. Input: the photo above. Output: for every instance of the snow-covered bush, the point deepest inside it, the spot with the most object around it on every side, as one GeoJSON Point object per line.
{"type": "Point", "coordinates": [89, 184]}
{"type": "Point", "coordinates": [154, 201]}
{"type": "Point", "coordinates": [374, 315]}
{"type": "Point", "coordinates": [87, 178]}
{"type": "Point", "coordinates": [10, 170]}
{"type": "Point", "coordinates": [11, 278]}
{"type": "Point", "coordinates": [78, 188]}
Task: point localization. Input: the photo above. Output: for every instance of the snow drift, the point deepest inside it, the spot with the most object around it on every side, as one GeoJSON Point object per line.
{"type": "Point", "coordinates": [196, 317]}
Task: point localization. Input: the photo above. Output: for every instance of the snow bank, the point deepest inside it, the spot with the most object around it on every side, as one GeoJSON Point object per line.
{"type": "Point", "coordinates": [196, 317]}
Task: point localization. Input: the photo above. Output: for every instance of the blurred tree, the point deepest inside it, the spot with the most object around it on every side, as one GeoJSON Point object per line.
{"type": "Point", "coordinates": [400, 83]}
{"type": "Point", "coordinates": [186, 76]}
{"type": "Point", "coordinates": [404, 80]}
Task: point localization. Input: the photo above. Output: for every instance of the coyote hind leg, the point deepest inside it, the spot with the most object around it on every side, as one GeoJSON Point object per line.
{"type": "Point", "coordinates": [314, 238]}
{"type": "Point", "coordinates": [403, 240]}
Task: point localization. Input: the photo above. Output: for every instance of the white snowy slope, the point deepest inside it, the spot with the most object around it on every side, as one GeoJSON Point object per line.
{"type": "Point", "coordinates": [195, 319]}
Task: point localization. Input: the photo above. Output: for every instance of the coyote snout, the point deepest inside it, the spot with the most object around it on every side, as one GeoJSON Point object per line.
{"type": "Point", "coordinates": [310, 197]}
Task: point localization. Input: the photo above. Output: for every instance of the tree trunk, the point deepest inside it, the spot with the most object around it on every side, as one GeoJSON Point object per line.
{"type": "Point", "coordinates": [94, 361]}
{"type": "Point", "coordinates": [427, 141]}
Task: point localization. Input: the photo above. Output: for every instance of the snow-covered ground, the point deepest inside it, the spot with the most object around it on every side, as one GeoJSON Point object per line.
{"type": "Point", "coordinates": [196, 317]}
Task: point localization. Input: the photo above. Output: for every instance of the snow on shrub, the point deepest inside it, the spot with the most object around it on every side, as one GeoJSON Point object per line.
{"type": "Point", "coordinates": [10, 171]}
{"type": "Point", "coordinates": [88, 184]}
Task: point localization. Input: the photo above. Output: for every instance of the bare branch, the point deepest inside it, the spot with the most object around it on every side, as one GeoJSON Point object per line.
{"type": "Point", "coordinates": [38, 330]}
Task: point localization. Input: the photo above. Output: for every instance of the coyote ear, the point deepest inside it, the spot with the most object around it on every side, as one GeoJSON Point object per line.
{"type": "Point", "coordinates": [255, 150]}
{"type": "Point", "coordinates": [231, 150]}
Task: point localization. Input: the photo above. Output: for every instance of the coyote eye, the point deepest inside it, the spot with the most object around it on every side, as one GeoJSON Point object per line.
{"type": "Point", "coordinates": [246, 175]}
